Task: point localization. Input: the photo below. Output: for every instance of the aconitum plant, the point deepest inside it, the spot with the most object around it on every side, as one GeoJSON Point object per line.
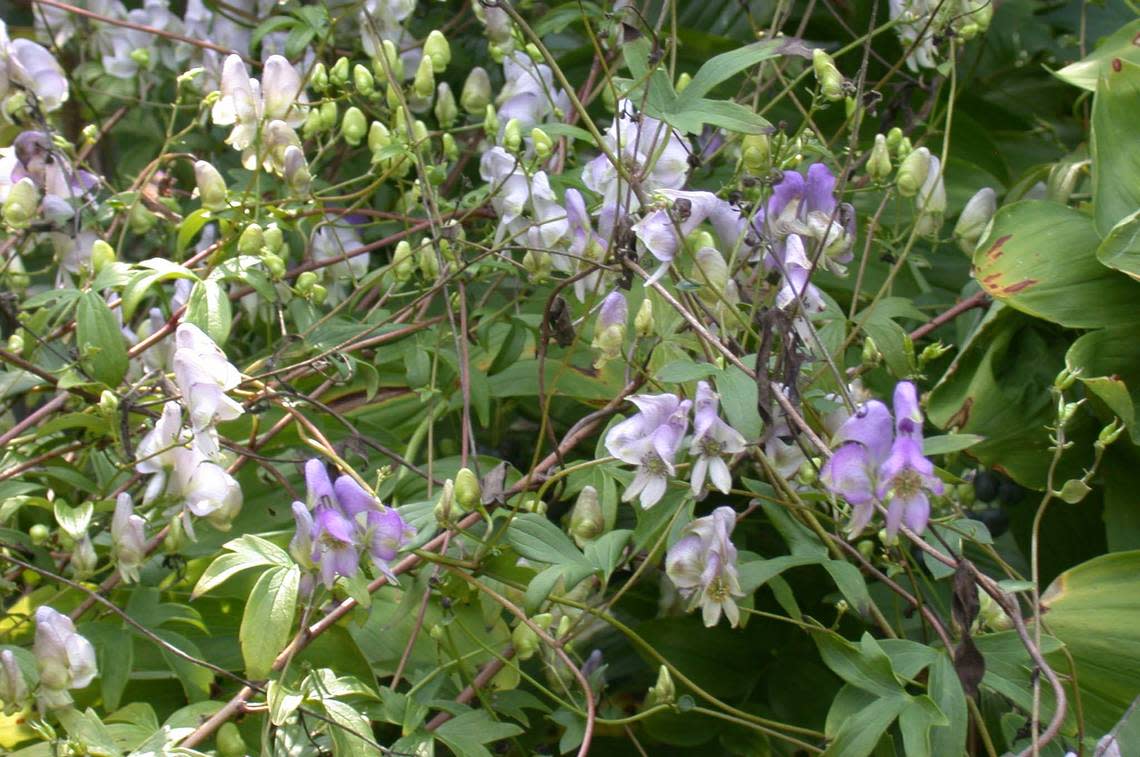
{"type": "Point", "coordinates": [495, 377]}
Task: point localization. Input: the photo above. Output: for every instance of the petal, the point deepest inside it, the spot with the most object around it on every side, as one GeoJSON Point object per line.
{"type": "Point", "coordinates": [720, 475]}
{"type": "Point", "coordinates": [916, 512]}
{"type": "Point", "coordinates": [847, 473]}
{"type": "Point", "coordinates": [352, 497]}
{"type": "Point", "coordinates": [697, 475]}
{"type": "Point", "coordinates": [908, 414]}
{"type": "Point", "coordinates": [860, 516]}
{"type": "Point", "coordinates": [654, 490]}
{"type": "Point", "coordinates": [658, 234]}
{"type": "Point", "coordinates": [869, 426]}
{"type": "Point", "coordinates": [820, 189]}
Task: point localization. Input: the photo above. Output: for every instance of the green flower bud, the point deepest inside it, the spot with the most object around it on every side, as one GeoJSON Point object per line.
{"type": "Point", "coordinates": [904, 148]}
{"type": "Point", "coordinates": [445, 504]}
{"type": "Point", "coordinates": [15, 106]}
{"type": "Point", "coordinates": [313, 125]}
{"type": "Point", "coordinates": [175, 536]}
{"type": "Point", "coordinates": [252, 239]}
{"type": "Point", "coordinates": [1066, 378]}
{"type": "Point", "coordinates": [423, 85]}
{"type": "Point", "coordinates": [319, 78]}
{"type": "Point", "coordinates": [273, 238]}
{"type": "Point", "coordinates": [22, 204]}
{"type": "Point", "coordinates": [437, 50]}
{"type": "Point", "coordinates": [538, 264]}
{"type": "Point", "coordinates": [894, 137]}
{"type": "Point", "coordinates": [808, 472]}
{"type": "Point", "coordinates": [428, 263]}
{"type": "Point", "coordinates": [18, 277]}
{"type": "Point", "coordinates": [476, 94]}
{"type": "Point", "coordinates": [450, 147]}
{"type": "Point", "coordinates": [512, 135]}
{"type": "Point", "coordinates": [564, 625]}
{"type": "Point", "coordinates": [330, 114]}
{"type": "Point", "coordinates": [532, 50]}
{"type": "Point", "coordinates": [587, 521]}
{"type": "Point", "coordinates": [975, 217]}
{"type": "Point", "coordinates": [378, 138]}
{"type": "Point", "coordinates": [532, 504]}
{"type": "Point", "coordinates": [491, 122]}
{"type": "Point", "coordinates": [419, 132]}
{"type": "Point", "coordinates": [879, 163]}
{"type": "Point", "coordinates": [306, 281]}
{"type": "Point", "coordinates": [683, 81]}
{"type": "Point", "coordinates": [609, 99]}
{"type": "Point", "coordinates": [543, 144]}
{"type": "Point", "coordinates": [467, 491]}
{"type": "Point", "coordinates": [273, 263]}
{"type": "Point", "coordinates": [756, 153]}
{"type": "Point", "coordinates": [90, 133]}
{"type": "Point", "coordinates": [497, 52]}
{"type": "Point", "coordinates": [354, 126]}
{"type": "Point", "coordinates": [871, 354]}
{"type": "Point", "coordinates": [525, 641]}
{"type": "Point", "coordinates": [1109, 433]}
{"type": "Point", "coordinates": [643, 322]}
{"type": "Point", "coordinates": [827, 75]}
{"type": "Point", "coordinates": [391, 56]}
{"type": "Point", "coordinates": [932, 352]}
{"type": "Point", "coordinates": [662, 692]}
{"type": "Point", "coordinates": [446, 109]}
{"type": "Point", "coordinates": [318, 294]}
{"type": "Point", "coordinates": [39, 534]}
{"type": "Point", "coordinates": [16, 343]}
{"type": "Point", "coordinates": [339, 73]}
{"type": "Point", "coordinates": [83, 557]}
{"type": "Point", "coordinates": [102, 254]}
{"type": "Point", "coordinates": [140, 56]}
{"type": "Point", "coordinates": [362, 80]}
{"type": "Point", "coordinates": [912, 172]}
{"type": "Point", "coordinates": [866, 548]}
{"type": "Point", "coordinates": [403, 263]}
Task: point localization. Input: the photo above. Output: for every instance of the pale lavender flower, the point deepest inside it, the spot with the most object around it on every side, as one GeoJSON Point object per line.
{"type": "Point", "coordinates": [14, 693]}
{"type": "Point", "coordinates": [528, 93]}
{"type": "Point", "coordinates": [712, 440]}
{"type": "Point", "coordinates": [609, 330]}
{"type": "Point", "coordinates": [875, 463]}
{"type": "Point", "coordinates": [31, 67]}
{"type": "Point", "coordinates": [65, 659]}
{"type": "Point", "coordinates": [702, 567]}
{"type": "Point", "coordinates": [650, 440]}
{"type": "Point", "coordinates": [205, 488]}
{"type": "Point", "coordinates": [155, 453]}
{"type": "Point", "coordinates": [385, 534]}
{"type": "Point", "coordinates": [516, 194]}
{"type": "Point", "coordinates": [335, 548]}
{"type": "Point", "coordinates": [807, 207]}
{"type": "Point", "coordinates": [333, 240]}
{"type": "Point", "coordinates": [796, 289]}
{"type": "Point", "coordinates": [301, 545]}
{"type": "Point", "coordinates": [248, 104]}
{"type": "Point", "coordinates": [128, 539]}
{"type": "Point", "coordinates": [204, 375]}
{"type": "Point", "coordinates": [585, 248]}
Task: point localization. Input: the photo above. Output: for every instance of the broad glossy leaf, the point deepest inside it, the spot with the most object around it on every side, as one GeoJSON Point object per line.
{"type": "Point", "coordinates": [1123, 44]}
{"type": "Point", "coordinates": [103, 353]}
{"type": "Point", "coordinates": [268, 619]}
{"type": "Point", "coordinates": [1115, 131]}
{"type": "Point", "coordinates": [1108, 364]}
{"type": "Point", "coordinates": [1040, 258]}
{"type": "Point", "coordinates": [208, 308]}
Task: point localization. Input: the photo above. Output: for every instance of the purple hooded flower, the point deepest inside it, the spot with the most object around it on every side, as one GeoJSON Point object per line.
{"type": "Point", "coordinates": [712, 440]}
{"type": "Point", "coordinates": [650, 440]}
{"type": "Point", "coordinates": [385, 534]}
{"type": "Point", "coordinates": [335, 548]}
{"type": "Point", "coordinates": [877, 463]}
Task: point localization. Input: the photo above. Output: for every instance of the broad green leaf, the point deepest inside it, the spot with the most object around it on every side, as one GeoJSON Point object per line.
{"type": "Point", "coordinates": [1123, 44]}
{"type": "Point", "coordinates": [1120, 249]}
{"type": "Point", "coordinates": [1115, 131]}
{"type": "Point", "coordinates": [685, 369]}
{"type": "Point", "coordinates": [467, 733]}
{"type": "Point", "coordinates": [1108, 364]}
{"type": "Point", "coordinates": [102, 350]}
{"type": "Point", "coordinates": [248, 551]}
{"type": "Point", "coordinates": [1040, 258]}
{"type": "Point", "coordinates": [74, 520]}
{"type": "Point", "coordinates": [859, 735]}
{"type": "Point", "coordinates": [865, 665]}
{"type": "Point", "coordinates": [756, 573]}
{"type": "Point", "coordinates": [1094, 610]}
{"type": "Point", "coordinates": [916, 721]}
{"type": "Point", "coordinates": [605, 552]}
{"type": "Point", "coordinates": [738, 399]}
{"type": "Point", "coordinates": [942, 445]}
{"type": "Point", "coordinates": [267, 622]}
{"type": "Point", "coordinates": [350, 731]}
{"type": "Point", "coordinates": [721, 68]}
{"type": "Point", "coordinates": [190, 227]}
{"type": "Point", "coordinates": [86, 728]}
{"type": "Point", "coordinates": [945, 689]}
{"type": "Point", "coordinates": [208, 308]}
{"type": "Point", "coordinates": [536, 538]}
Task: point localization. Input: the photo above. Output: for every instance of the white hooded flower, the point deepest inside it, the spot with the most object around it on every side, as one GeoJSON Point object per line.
{"type": "Point", "coordinates": [528, 93]}
{"type": "Point", "coordinates": [702, 567]}
{"type": "Point", "coordinates": [14, 694]}
{"type": "Point", "coordinates": [65, 659]}
{"type": "Point", "coordinates": [204, 375]}
{"type": "Point", "coordinates": [333, 240]}
{"type": "Point", "coordinates": [517, 195]}
{"type": "Point", "coordinates": [249, 105]}
{"type": "Point", "coordinates": [206, 489]}
{"type": "Point", "coordinates": [26, 65]}
{"type": "Point", "coordinates": [712, 440]}
{"type": "Point", "coordinates": [128, 539]}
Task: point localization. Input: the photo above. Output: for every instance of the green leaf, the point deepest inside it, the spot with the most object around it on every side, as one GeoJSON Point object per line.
{"type": "Point", "coordinates": [685, 369]}
{"type": "Point", "coordinates": [605, 552]}
{"type": "Point", "coordinates": [916, 721]}
{"type": "Point", "coordinates": [208, 308]}
{"type": "Point", "coordinates": [87, 729]}
{"type": "Point", "coordinates": [102, 350]}
{"type": "Point", "coordinates": [248, 551]}
{"type": "Point", "coordinates": [1115, 131]}
{"type": "Point", "coordinates": [268, 619]}
{"type": "Point", "coordinates": [859, 735]}
{"type": "Point", "coordinates": [1040, 258]}
{"type": "Point", "coordinates": [73, 520]}
{"type": "Point", "coordinates": [865, 665]}
{"type": "Point", "coordinates": [1120, 249]}
{"type": "Point", "coordinates": [1107, 363]}
{"type": "Point", "coordinates": [347, 724]}
{"type": "Point", "coordinates": [1121, 44]}
{"type": "Point", "coordinates": [722, 67]}
{"type": "Point", "coordinates": [738, 399]}
{"type": "Point", "coordinates": [536, 538]}
{"type": "Point", "coordinates": [466, 733]}
{"type": "Point", "coordinates": [942, 445]}
{"type": "Point", "coordinates": [945, 689]}
{"type": "Point", "coordinates": [191, 225]}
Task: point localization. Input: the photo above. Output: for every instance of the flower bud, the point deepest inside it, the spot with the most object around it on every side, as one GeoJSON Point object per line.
{"type": "Point", "coordinates": [609, 330]}
{"type": "Point", "coordinates": [252, 239]}
{"type": "Point", "coordinates": [512, 135]}
{"type": "Point", "coordinates": [879, 163]}
{"type": "Point", "coordinates": [904, 148]}
{"type": "Point", "coordinates": [491, 122]}
{"type": "Point", "coordinates": [662, 692]}
{"type": "Point", "coordinates": [296, 173]}
{"type": "Point", "coordinates": [1109, 433]}
{"type": "Point", "coordinates": [211, 186]}
{"type": "Point", "coordinates": [175, 536]}
{"type": "Point", "coordinates": [141, 220]}
{"type": "Point", "coordinates": [423, 85]}
{"type": "Point", "coordinates": [108, 403]}
{"type": "Point", "coordinates": [467, 491]}
{"type": "Point", "coordinates": [319, 78]}
{"type": "Point", "coordinates": [274, 238]}
{"type": "Point", "coordinates": [83, 557]}
{"type": "Point", "coordinates": [306, 281]}
{"type": "Point", "coordinates": [532, 504]}
{"type": "Point", "coordinates": [538, 264]}
{"type": "Point", "coordinates": [587, 521]}
{"type": "Point", "coordinates": [14, 693]}
{"type": "Point", "coordinates": [390, 55]}
{"type": "Point", "coordinates": [273, 263]}
{"type": "Point", "coordinates": [828, 76]}
{"type": "Point", "coordinates": [339, 73]}
{"type": "Point", "coordinates": [102, 254]}
{"type": "Point", "coordinates": [318, 294]}
{"type": "Point", "coordinates": [476, 94]}
{"type": "Point", "coordinates": [975, 217]}
{"type": "Point", "coordinates": [496, 52]}
{"type": "Point", "coordinates": [450, 148]}
{"type": "Point", "coordinates": [643, 321]}
{"type": "Point", "coordinates": [22, 203]}
{"type": "Point", "coordinates": [330, 114]}
{"type": "Point", "coordinates": [683, 81]}
{"type": "Point", "coordinates": [913, 172]}
{"type": "Point", "coordinates": [931, 200]}
{"type": "Point", "coordinates": [894, 137]}
{"type": "Point", "coordinates": [65, 659]}
{"type": "Point", "coordinates": [446, 110]}
{"type": "Point", "coordinates": [932, 352]}
{"type": "Point", "coordinates": [39, 534]}
{"type": "Point", "coordinates": [871, 354]}
{"type": "Point", "coordinates": [362, 80]}
{"type": "Point", "coordinates": [756, 153]}
{"type": "Point", "coordinates": [525, 641]}
{"type": "Point", "coordinates": [314, 124]}
{"type": "Point", "coordinates": [403, 264]}
{"type": "Point", "coordinates": [445, 504]}
{"type": "Point", "coordinates": [378, 138]}
{"type": "Point", "coordinates": [437, 50]}
{"type": "Point", "coordinates": [543, 144]}
{"type": "Point", "coordinates": [354, 126]}
{"type": "Point", "coordinates": [419, 132]}
{"type": "Point", "coordinates": [16, 105]}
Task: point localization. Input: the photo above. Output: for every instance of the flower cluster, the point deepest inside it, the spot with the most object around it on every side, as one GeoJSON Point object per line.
{"type": "Point", "coordinates": [652, 438]}
{"type": "Point", "coordinates": [65, 660]}
{"type": "Point", "coordinates": [702, 567]}
{"type": "Point", "coordinates": [26, 67]}
{"type": "Point", "coordinates": [880, 460]}
{"type": "Point", "coordinates": [340, 522]}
